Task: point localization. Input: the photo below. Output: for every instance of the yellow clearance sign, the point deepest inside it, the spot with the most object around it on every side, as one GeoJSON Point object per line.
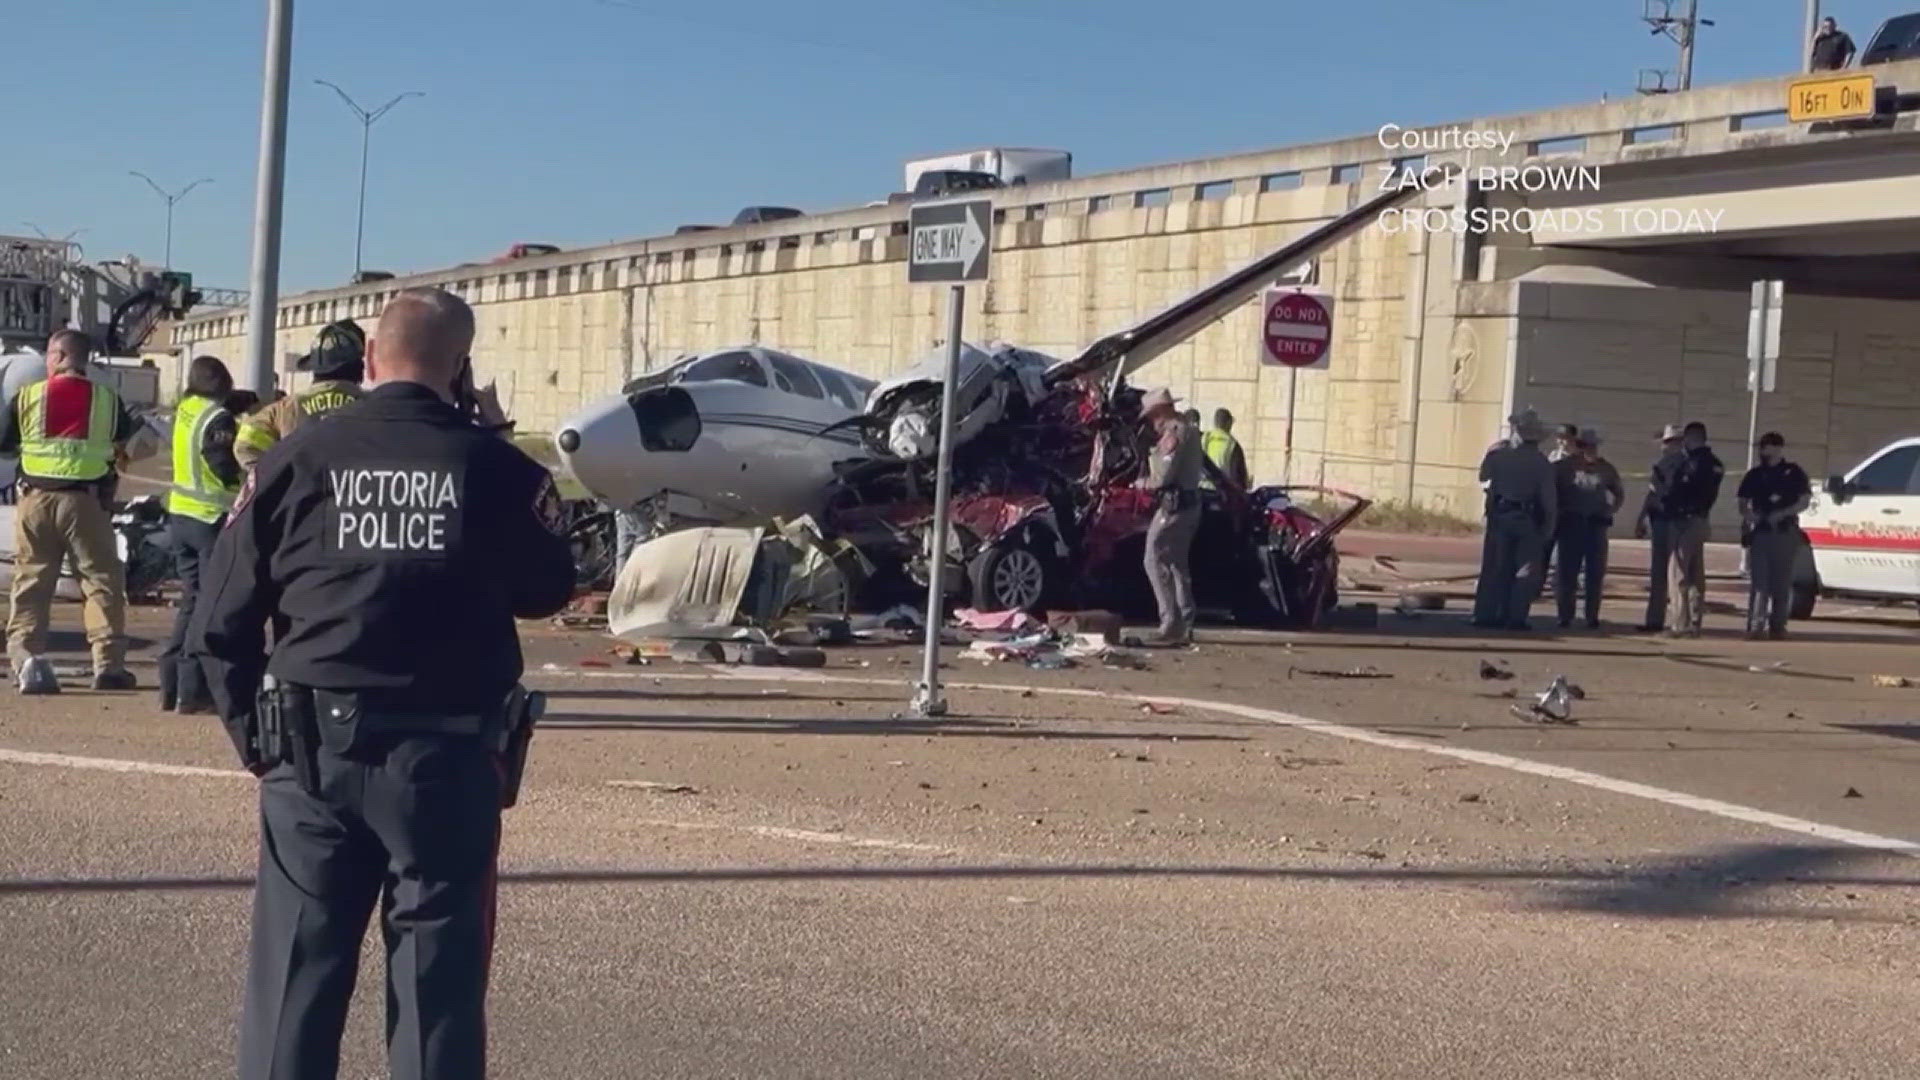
{"type": "Point", "coordinates": [1830, 97]}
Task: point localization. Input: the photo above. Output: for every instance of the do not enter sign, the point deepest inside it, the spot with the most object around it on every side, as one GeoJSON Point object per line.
{"type": "Point", "coordinates": [1296, 329]}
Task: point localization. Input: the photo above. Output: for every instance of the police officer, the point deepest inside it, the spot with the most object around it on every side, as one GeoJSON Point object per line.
{"type": "Point", "coordinates": [337, 362]}
{"type": "Point", "coordinates": [1590, 493]}
{"type": "Point", "coordinates": [1695, 488]}
{"type": "Point", "coordinates": [206, 477]}
{"type": "Point", "coordinates": [1655, 525]}
{"type": "Point", "coordinates": [68, 432]}
{"type": "Point", "coordinates": [1224, 451]}
{"type": "Point", "coordinates": [398, 541]}
{"type": "Point", "coordinates": [1173, 472]}
{"type": "Point", "coordinates": [1771, 495]}
{"type": "Point", "coordinates": [1521, 506]}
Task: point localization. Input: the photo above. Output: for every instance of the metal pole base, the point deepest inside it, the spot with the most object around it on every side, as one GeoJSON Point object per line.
{"type": "Point", "coordinates": [928, 701]}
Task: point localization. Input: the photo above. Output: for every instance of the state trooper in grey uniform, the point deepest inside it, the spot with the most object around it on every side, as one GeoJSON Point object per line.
{"type": "Point", "coordinates": [1521, 507]}
{"type": "Point", "coordinates": [1173, 471]}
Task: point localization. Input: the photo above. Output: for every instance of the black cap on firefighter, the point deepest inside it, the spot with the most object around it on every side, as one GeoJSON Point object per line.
{"type": "Point", "coordinates": [339, 352]}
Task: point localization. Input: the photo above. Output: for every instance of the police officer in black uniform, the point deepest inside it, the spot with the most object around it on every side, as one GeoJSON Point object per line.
{"type": "Point", "coordinates": [396, 541]}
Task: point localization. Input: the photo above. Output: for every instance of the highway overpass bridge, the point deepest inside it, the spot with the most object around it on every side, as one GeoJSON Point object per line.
{"type": "Point", "coordinates": [1610, 288]}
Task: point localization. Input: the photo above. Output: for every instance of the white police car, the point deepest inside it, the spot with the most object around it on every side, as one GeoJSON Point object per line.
{"type": "Point", "coordinates": [1863, 532]}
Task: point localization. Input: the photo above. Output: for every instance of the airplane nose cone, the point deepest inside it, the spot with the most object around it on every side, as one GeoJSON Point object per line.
{"type": "Point", "coordinates": [569, 441]}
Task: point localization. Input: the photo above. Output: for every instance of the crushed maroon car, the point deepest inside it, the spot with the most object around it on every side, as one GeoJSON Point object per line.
{"type": "Point", "coordinates": [1048, 514]}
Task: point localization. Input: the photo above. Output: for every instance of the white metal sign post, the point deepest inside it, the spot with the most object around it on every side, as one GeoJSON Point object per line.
{"type": "Point", "coordinates": [949, 242]}
{"type": "Point", "coordinates": [1763, 360]}
{"type": "Point", "coordinates": [1296, 331]}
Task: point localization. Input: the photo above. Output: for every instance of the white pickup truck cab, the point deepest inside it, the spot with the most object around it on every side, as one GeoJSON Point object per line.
{"type": "Point", "coordinates": [1863, 532]}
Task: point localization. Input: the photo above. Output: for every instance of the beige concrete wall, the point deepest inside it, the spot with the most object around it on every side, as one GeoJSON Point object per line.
{"type": "Point", "coordinates": [1057, 285]}
{"type": "Point", "coordinates": [1628, 360]}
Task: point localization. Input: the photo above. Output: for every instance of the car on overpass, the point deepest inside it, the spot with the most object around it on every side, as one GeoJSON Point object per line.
{"type": "Point", "coordinates": [1897, 39]}
{"type": "Point", "coordinates": [1863, 532]}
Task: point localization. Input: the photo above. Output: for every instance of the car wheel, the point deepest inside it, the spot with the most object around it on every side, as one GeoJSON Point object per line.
{"type": "Point", "coordinates": [1804, 595]}
{"type": "Point", "coordinates": [1010, 577]}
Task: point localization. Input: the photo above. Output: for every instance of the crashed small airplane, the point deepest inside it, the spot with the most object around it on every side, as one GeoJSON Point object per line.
{"type": "Point", "coordinates": [1047, 455]}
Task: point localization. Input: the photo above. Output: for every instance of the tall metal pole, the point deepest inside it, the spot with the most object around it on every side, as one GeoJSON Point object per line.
{"type": "Point", "coordinates": [1686, 44]}
{"type": "Point", "coordinates": [172, 198]}
{"type": "Point", "coordinates": [928, 700]}
{"type": "Point", "coordinates": [1806, 36]}
{"type": "Point", "coordinates": [360, 216]}
{"type": "Point", "coordinates": [264, 301]}
{"type": "Point", "coordinates": [367, 119]}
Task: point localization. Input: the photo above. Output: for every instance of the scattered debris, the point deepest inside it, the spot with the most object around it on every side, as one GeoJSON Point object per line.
{"type": "Point", "coordinates": [1553, 706]}
{"type": "Point", "coordinates": [1051, 661]}
{"type": "Point", "coordinates": [1023, 899]}
{"type": "Point", "coordinates": [1853, 793]}
{"type": "Point", "coordinates": [1471, 796]}
{"type": "Point", "coordinates": [1412, 602]}
{"type": "Point", "coordinates": [1080, 625]}
{"type": "Point", "coordinates": [1158, 709]}
{"type": "Point", "coordinates": [1892, 682]}
{"type": "Point", "coordinates": [657, 787]}
{"type": "Point", "coordinates": [1762, 669]}
{"type": "Point", "coordinates": [594, 662]}
{"type": "Point", "coordinates": [1489, 670]}
{"type": "Point", "coordinates": [1010, 621]}
{"type": "Point", "coordinates": [1368, 672]}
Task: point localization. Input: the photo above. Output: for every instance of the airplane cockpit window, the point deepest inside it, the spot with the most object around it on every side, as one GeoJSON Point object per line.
{"type": "Point", "coordinates": [737, 366]}
{"type": "Point", "coordinates": [837, 388]}
{"type": "Point", "coordinates": [794, 377]}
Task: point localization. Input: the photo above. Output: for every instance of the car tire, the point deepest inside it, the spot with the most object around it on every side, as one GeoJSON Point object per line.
{"type": "Point", "coordinates": [1011, 576]}
{"type": "Point", "coordinates": [1804, 595]}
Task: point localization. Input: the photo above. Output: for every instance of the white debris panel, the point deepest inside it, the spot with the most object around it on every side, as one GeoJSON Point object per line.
{"type": "Point", "coordinates": [710, 582]}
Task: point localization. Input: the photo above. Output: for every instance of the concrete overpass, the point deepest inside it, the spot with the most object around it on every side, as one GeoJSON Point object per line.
{"type": "Point", "coordinates": [1439, 332]}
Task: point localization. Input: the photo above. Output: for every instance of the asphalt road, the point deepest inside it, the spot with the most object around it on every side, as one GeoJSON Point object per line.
{"type": "Point", "coordinates": [1272, 870]}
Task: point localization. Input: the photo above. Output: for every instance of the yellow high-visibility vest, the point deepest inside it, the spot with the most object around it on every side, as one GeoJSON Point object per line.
{"type": "Point", "coordinates": [63, 457]}
{"type": "Point", "coordinates": [196, 493]}
{"type": "Point", "coordinates": [1219, 447]}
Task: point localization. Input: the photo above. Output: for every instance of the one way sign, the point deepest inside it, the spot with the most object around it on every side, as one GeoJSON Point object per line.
{"type": "Point", "coordinates": [949, 241]}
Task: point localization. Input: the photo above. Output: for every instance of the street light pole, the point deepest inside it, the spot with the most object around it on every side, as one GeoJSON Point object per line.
{"type": "Point", "coordinates": [263, 305]}
{"type": "Point", "coordinates": [367, 118]}
{"type": "Point", "coordinates": [167, 262]}
{"type": "Point", "coordinates": [1806, 36]}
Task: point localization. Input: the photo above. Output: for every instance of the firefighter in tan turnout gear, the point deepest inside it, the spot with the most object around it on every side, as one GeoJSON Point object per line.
{"type": "Point", "coordinates": [338, 364]}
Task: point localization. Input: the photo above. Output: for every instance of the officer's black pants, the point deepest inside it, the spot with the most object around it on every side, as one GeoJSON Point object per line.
{"type": "Point", "coordinates": [414, 824]}
{"type": "Point", "coordinates": [1583, 550]}
{"type": "Point", "coordinates": [181, 677]}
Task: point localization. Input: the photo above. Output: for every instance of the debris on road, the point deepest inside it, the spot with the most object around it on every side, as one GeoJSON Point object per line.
{"type": "Point", "coordinates": [1157, 709]}
{"type": "Point", "coordinates": [1471, 796]}
{"type": "Point", "coordinates": [1892, 682]}
{"type": "Point", "coordinates": [1762, 669]}
{"type": "Point", "coordinates": [657, 787]}
{"type": "Point", "coordinates": [1009, 621]}
{"type": "Point", "coordinates": [1081, 625]}
{"type": "Point", "coordinates": [1368, 672]}
{"type": "Point", "coordinates": [1853, 793]}
{"type": "Point", "coordinates": [1490, 670]}
{"type": "Point", "coordinates": [1553, 706]}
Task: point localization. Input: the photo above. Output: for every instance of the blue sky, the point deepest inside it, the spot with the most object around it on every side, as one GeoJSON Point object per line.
{"type": "Point", "coordinates": [582, 121]}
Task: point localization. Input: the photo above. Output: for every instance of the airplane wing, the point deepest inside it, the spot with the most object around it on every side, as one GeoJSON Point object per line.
{"type": "Point", "coordinates": [1145, 340]}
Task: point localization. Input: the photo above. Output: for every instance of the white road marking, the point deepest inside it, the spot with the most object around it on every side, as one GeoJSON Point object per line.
{"type": "Point", "coordinates": [805, 836]}
{"type": "Point", "coordinates": [1716, 807]}
{"type": "Point", "coordinates": [69, 761]}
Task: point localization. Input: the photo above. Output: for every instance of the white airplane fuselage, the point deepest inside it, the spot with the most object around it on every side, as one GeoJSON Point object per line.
{"type": "Point", "coordinates": [729, 437]}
